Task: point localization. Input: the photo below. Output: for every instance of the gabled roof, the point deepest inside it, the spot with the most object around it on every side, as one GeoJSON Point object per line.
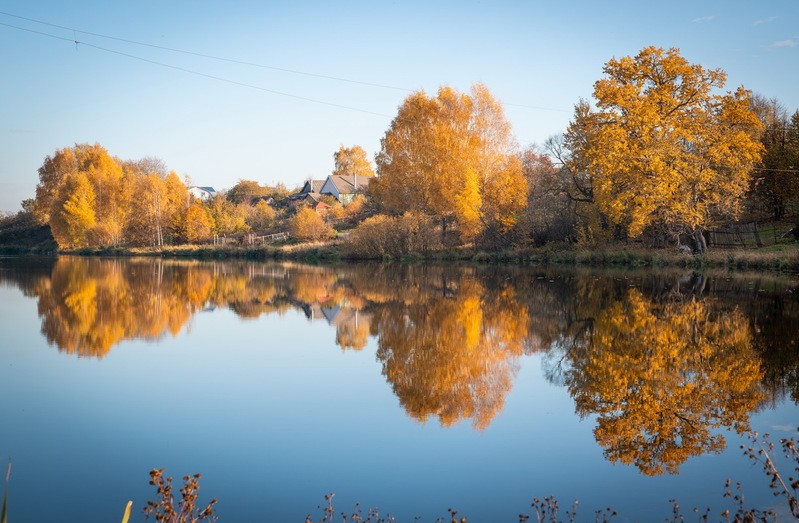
{"type": "Point", "coordinates": [349, 184]}
{"type": "Point", "coordinates": [313, 185]}
{"type": "Point", "coordinates": [309, 187]}
{"type": "Point", "coordinates": [206, 189]}
{"type": "Point", "coordinates": [302, 196]}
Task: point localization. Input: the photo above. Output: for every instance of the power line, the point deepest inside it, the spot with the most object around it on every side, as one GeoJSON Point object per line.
{"type": "Point", "coordinates": [197, 73]}
{"type": "Point", "coordinates": [240, 62]}
{"type": "Point", "coordinates": [212, 57]}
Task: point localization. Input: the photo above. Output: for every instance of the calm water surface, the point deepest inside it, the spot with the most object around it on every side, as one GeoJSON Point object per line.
{"type": "Point", "coordinates": [409, 388]}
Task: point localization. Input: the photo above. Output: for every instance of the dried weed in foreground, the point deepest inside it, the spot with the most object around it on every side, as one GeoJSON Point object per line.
{"type": "Point", "coordinates": [186, 511]}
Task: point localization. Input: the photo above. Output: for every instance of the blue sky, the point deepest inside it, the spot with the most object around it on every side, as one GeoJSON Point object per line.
{"type": "Point", "coordinates": [538, 58]}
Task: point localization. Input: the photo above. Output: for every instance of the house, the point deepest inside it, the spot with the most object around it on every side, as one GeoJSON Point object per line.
{"type": "Point", "coordinates": [312, 186]}
{"type": "Point", "coordinates": [309, 189]}
{"type": "Point", "coordinates": [202, 193]}
{"type": "Point", "coordinates": [344, 188]}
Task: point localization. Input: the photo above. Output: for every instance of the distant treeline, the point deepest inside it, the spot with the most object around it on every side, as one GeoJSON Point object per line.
{"type": "Point", "coordinates": [662, 156]}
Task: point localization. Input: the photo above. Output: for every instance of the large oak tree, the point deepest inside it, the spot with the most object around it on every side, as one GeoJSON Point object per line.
{"type": "Point", "coordinates": [663, 146]}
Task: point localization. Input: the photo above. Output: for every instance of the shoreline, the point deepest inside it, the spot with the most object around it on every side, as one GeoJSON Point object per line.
{"type": "Point", "coordinates": [784, 258]}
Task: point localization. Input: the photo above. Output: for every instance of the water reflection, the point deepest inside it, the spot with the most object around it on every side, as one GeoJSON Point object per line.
{"type": "Point", "coordinates": [661, 376]}
{"type": "Point", "coordinates": [662, 362]}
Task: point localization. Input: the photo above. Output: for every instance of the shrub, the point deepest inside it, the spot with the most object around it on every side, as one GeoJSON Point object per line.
{"type": "Point", "coordinates": [308, 225]}
{"type": "Point", "coordinates": [394, 236]}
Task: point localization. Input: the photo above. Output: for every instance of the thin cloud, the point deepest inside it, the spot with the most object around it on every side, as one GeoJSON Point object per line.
{"type": "Point", "coordinates": [783, 428]}
{"type": "Point", "coordinates": [765, 20]}
{"type": "Point", "coordinates": [703, 19]}
{"type": "Point", "coordinates": [790, 42]}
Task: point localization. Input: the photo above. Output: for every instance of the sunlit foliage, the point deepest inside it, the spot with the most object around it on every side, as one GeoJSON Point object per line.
{"type": "Point", "coordinates": [260, 216]}
{"type": "Point", "coordinates": [91, 199]}
{"type": "Point", "coordinates": [452, 157]}
{"type": "Point", "coordinates": [380, 235]}
{"type": "Point", "coordinates": [160, 209]}
{"type": "Point", "coordinates": [352, 161]}
{"type": "Point", "coordinates": [662, 146]}
{"type": "Point", "coordinates": [307, 224]}
{"type": "Point", "coordinates": [199, 223]}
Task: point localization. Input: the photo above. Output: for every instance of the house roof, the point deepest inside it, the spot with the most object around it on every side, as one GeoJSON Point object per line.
{"type": "Point", "coordinates": [314, 185]}
{"type": "Point", "coordinates": [206, 189]}
{"type": "Point", "coordinates": [301, 196]}
{"type": "Point", "coordinates": [347, 184]}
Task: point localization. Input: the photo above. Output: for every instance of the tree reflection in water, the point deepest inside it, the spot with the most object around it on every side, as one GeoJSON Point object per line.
{"type": "Point", "coordinates": [663, 361]}
{"type": "Point", "coordinates": [662, 377]}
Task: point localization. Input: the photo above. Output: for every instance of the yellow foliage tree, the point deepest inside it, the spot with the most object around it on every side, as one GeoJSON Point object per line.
{"type": "Point", "coordinates": [662, 147]}
{"type": "Point", "coordinates": [228, 217]}
{"type": "Point", "coordinates": [452, 157]}
{"type": "Point", "coordinates": [75, 217]}
{"type": "Point", "coordinates": [308, 225]}
{"type": "Point", "coordinates": [199, 224]}
{"type": "Point", "coordinates": [52, 174]}
{"type": "Point", "coordinates": [352, 161]}
{"type": "Point", "coordinates": [260, 216]}
{"type": "Point", "coordinates": [72, 169]}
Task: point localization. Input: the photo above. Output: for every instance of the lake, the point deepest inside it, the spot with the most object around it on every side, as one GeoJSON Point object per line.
{"type": "Point", "coordinates": [410, 388]}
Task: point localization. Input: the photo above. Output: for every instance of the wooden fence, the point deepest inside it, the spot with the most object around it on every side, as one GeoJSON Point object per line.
{"type": "Point", "coordinates": [745, 235]}
{"type": "Point", "coordinates": [251, 239]}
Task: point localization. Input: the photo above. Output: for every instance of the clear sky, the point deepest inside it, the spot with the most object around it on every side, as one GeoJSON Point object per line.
{"type": "Point", "coordinates": [331, 73]}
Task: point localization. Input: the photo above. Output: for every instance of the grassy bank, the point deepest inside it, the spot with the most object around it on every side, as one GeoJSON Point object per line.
{"type": "Point", "coordinates": [784, 257]}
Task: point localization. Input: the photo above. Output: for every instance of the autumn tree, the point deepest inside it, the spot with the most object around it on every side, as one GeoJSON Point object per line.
{"type": "Point", "coordinates": [308, 225]}
{"type": "Point", "coordinates": [199, 223]}
{"type": "Point", "coordinates": [52, 174]}
{"type": "Point", "coordinates": [79, 168]}
{"type": "Point", "coordinates": [160, 209]}
{"type": "Point", "coordinates": [452, 157]}
{"type": "Point", "coordinates": [260, 216]}
{"type": "Point", "coordinates": [352, 161]}
{"type": "Point", "coordinates": [112, 196]}
{"type": "Point", "coordinates": [228, 218]}
{"type": "Point", "coordinates": [663, 148]}
{"type": "Point", "coordinates": [246, 191]}
{"type": "Point", "coordinates": [549, 214]}
{"type": "Point", "coordinates": [74, 215]}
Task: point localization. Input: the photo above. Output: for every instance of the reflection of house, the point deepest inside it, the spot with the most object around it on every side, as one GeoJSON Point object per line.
{"type": "Point", "coordinates": [202, 193]}
{"type": "Point", "coordinates": [342, 188]}
{"type": "Point", "coordinates": [352, 325]}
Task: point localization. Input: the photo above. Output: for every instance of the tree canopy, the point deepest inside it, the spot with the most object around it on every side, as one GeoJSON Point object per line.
{"type": "Point", "coordinates": [662, 146]}
{"type": "Point", "coordinates": [352, 161]}
{"type": "Point", "coordinates": [452, 156]}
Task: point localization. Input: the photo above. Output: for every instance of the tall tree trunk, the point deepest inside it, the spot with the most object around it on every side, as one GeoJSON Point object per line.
{"type": "Point", "coordinates": [699, 238]}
